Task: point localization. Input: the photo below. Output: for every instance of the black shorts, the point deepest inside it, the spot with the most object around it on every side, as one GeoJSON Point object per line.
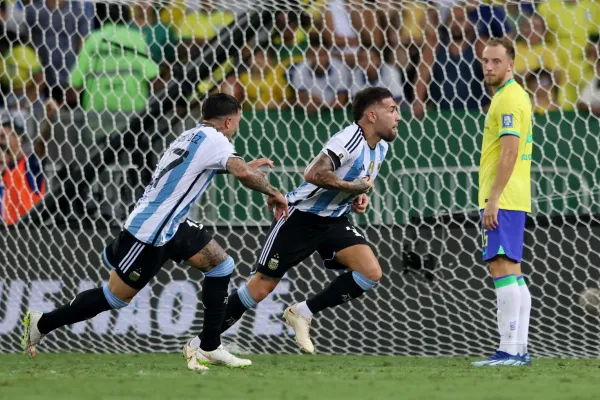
{"type": "Point", "coordinates": [289, 242]}
{"type": "Point", "coordinates": [136, 262]}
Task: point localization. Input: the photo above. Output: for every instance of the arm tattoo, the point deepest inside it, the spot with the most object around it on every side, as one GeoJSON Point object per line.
{"type": "Point", "coordinates": [320, 173]}
{"type": "Point", "coordinates": [250, 177]}
{"type": "Point", "coordinates": [256, 181]}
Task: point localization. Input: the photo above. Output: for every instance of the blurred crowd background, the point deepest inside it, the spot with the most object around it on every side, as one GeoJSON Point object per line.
{"type": "Point", "coordinates": [80, 81]}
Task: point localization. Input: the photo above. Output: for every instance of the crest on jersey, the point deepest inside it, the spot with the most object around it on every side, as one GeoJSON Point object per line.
{"type": "Point", "coordinates": [134, 276]}
{"type": "Point", "coordinates": [274, 262]}
{"type": "Point", "coordinates": [371, 167]}
{"type": "Point", "coordinates": [507, 120]}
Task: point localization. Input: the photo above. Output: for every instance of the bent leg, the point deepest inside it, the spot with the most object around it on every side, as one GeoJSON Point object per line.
{"type": "Point", "coordinates": [116, 294]}
{"type": "Point", "coordinates": [365, 274]}
{"type": "Point", "coordinates": [248, 296]}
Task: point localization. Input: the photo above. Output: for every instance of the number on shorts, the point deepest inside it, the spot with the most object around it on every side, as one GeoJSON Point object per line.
{"type": "Point", "coordinates": [484, 238]}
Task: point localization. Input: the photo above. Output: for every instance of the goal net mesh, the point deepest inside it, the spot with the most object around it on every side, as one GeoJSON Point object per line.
{"type": "Point", "coordinates": [92, 93]}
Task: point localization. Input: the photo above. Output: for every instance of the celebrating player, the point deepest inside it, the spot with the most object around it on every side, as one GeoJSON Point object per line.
{"type": "Point", "coordinates": [335, 182]}
{"type": "Point", "coordinates": [157, 230]}
{"type": "Point", "coordinates": [505, 200]}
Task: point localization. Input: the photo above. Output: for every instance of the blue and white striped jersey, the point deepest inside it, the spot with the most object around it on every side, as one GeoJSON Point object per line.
{"type": "Point", "coordinates": [357, 160]}
{"type": "Point", "coordinates": [182, 175]}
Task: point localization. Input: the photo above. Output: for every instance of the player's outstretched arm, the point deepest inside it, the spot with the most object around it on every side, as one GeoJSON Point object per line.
{"type": "Point", "coordinates": [321, 173]}
{"type": "Point", "coordinates": [255, 180]}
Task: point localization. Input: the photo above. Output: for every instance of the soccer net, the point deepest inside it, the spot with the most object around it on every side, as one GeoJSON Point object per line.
{"type": "Point", "coordinates": [92, 93]}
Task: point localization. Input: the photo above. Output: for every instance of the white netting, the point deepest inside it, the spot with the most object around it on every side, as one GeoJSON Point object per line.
{"type": "Point", "coordinates": [121, 92]}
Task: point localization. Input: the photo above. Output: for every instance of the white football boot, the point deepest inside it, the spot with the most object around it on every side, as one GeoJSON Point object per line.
{"type": "Point", "coordinates": [190, 355]}
{"type": "Point", "coordinates": [221, 356]}
{"type": "Point", "coordinates": [300, 325]}
{"type": "Point", "coordinates": [32, 336]}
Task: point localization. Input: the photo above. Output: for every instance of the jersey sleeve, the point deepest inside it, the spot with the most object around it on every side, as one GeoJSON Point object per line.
{"type": "Point", "coordinates": [222, 150]}
{"type": "Point", "coordinates": [511, 115]}
{"type": "Point", "coordinates": [341, 147]}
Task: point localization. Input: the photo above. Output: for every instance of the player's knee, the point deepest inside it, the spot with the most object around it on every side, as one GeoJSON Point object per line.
{"type": "Point", "coordinates": [114, 301]}
{"type": "Point", "coordinates": [367, 281]}
{"type": "Point", "coordinates": [260, 286]}
{"type": "Point", "coordinates": [376, 275]}
{"type": "Point", "coordinates": [225, 268]}
{"type": "Point", "coordinates": [502, 266]}
{"type": "Point", "coordinates": [373, 273]}
{"type": "Point", "coordinates": [261, 291]}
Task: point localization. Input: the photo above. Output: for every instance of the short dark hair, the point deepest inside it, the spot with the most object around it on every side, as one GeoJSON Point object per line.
{"type": "Point", "coordinates": [504, 42]}
{"type": "Point", "coordinates": [220, 105]}
{"type": "Point", "coordinates": [366, 98]}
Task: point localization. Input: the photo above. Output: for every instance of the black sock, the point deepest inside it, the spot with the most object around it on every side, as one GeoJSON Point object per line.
{"type": "Point", "coordinates": [235, 310]}
{"type": "Point", "coordinates": [84, 306]}
{"type": "Point", "coordinates": [214, 298]}
{"type": "Point", "coordinates": [342, 289]}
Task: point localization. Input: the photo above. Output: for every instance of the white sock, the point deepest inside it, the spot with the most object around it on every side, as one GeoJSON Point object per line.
{"type": "Point", "coordinates": [524, 314]}
{"type": "Point", "coordinates": [195, 343]}
{"type": "Point", "coordinates": [302, 309]}
{"type": "Point", "coordinates": [508, 297]}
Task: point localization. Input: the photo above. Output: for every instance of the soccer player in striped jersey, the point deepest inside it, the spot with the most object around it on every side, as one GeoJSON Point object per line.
{"type": "Point", "coordinates": [336, 182]}
{"type": "Point", "coordinates": [158, 230]}
{"type": "Point", "coordinates": [505, 200]}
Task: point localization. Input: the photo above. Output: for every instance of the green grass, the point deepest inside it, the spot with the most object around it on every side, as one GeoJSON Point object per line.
{"type": "Point", "coordinates": [165, 376]}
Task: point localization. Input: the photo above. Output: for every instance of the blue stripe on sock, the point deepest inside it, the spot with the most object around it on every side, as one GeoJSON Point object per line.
{"type": "Point", "coordinates": [363, 282]}
{"type": "Point", "coordinates": [246, 298]}
{"type": "Point", "coordinates": [113, 300]}
{"type": "Point", "coordinates": [502, 277]}
{"type": "Point", "coordinates": [520, 277]}
{"type": "Point", "coordinates": [223, 269]}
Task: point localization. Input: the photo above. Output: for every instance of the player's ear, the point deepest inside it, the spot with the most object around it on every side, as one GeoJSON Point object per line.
{"type": "Point", "coordinates": [227, 122]}
{"type": "Point", "coordinates": [371, 116]}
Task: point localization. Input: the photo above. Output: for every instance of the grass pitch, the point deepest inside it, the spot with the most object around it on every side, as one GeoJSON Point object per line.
{"type": "Point", "coordinates": [165, 376]}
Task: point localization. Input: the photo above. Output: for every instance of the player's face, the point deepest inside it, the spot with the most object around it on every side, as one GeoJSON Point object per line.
{"type": "Point", "coordinates": [386, 119]}
{"type": "Point", "coordinates": [496, 65]}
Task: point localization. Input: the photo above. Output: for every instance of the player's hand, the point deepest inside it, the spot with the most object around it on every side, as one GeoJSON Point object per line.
{"type": "Point", "coordinates": [362, 185]}
{"type": "Point", "coordinates": [359, 205]}
{"type": "Point", "coordinates": [256, 164]}
{"type": "Point", "coordinates": [280, 204]}
{"type": "Point", "coordinates": [490, 215]}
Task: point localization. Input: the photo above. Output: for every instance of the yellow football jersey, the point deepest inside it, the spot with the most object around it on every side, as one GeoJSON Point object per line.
{"type": "Point", "coordinates": [510, 114]}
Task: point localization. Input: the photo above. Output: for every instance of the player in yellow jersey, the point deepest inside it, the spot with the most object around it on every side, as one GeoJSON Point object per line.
{"type": "Point", "coordinates": [505, 199]}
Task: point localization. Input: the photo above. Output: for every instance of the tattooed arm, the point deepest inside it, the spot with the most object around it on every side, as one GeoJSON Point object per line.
{"type": "Point", "coordinates": [250, 177]}
{"type": "Point", "coordinates": [320, 173]}
{"type": "Point", "coordinates": [255, 180]}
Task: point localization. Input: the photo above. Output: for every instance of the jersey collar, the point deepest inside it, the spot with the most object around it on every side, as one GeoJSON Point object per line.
{"type": "Point", "coordinates": [508, 82]}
